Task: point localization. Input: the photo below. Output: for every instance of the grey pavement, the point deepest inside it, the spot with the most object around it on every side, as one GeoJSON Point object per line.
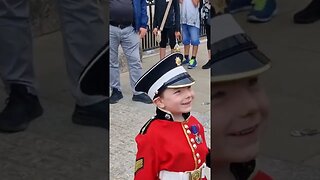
{"type": "Point", "coordinates": [292, 86]}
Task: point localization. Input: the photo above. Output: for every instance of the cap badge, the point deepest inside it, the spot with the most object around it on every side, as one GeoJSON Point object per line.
{"type": "Point", "coordinates": [178, 61]}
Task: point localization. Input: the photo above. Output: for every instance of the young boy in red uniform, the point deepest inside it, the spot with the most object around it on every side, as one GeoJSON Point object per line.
{"type": "Point", "coordinates": [172, 144]}
{"type": "Point", "coordinates": [239, 106]}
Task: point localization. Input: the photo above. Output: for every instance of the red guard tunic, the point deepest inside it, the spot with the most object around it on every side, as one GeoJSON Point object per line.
{"type": "Point", "coordinates": [260, 175]}
{"type": "Point", "coordinates": [171, 146]}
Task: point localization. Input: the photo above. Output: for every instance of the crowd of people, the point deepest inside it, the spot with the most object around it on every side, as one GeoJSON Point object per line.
{"type": "Point", "coordinates": [177, 21]}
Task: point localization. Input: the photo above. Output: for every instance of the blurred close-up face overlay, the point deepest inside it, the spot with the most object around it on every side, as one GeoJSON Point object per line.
{"type": "Point", "coordinates": [239, 105]}
{"type": "Point", "coordinates": [240, 110]}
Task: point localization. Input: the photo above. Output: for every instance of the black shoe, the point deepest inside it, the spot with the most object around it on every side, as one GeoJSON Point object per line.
{"type": "Point", "coordinates": [207, 65]}
{"type": "Point", "coordinates": [92, 115]}
{"type": "Point", "coordinates": [142, 98]}
{"type": "Point", "coordinates": [309, 14]}
{"type": "Point", "coordinates": [115, 96]}
{"type": "Point", "coordinates": [22, 107]}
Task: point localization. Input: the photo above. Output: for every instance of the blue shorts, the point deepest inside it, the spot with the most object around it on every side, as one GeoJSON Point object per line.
{"type": "Point", "coordinates": [190, 35]}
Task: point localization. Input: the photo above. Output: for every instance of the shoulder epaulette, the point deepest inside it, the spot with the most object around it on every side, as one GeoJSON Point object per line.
{"type": "Point", "coordinates": [146, 125]}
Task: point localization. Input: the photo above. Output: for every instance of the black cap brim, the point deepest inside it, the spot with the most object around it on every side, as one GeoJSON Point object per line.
{"type": "Point", "coordinates": [242, 65]}
{"type": "Point", "coordinates": [188, 81]}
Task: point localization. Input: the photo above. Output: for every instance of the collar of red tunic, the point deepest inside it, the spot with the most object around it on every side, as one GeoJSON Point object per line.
{"type": "Point", "coordinates": [162, 114]}
{"type": "Point", "coordinates": [246, 171]}
{"type": "Point", "coordinates": [260, 175]}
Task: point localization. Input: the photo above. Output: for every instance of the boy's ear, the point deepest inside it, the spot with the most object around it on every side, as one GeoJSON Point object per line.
{"type": "Point", "coordinates": [158, 102]}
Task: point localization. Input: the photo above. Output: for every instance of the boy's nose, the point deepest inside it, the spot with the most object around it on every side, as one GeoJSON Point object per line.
{"type": "Point", "coordinates": [248, 104]}
{"type": "Point", "coordinates": [189, 93]}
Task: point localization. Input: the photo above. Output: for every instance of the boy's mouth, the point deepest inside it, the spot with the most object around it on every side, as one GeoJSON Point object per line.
{"type": "Point", "coordinates": [245, 131]}
{"type": "Point", "coordinates": [186, 103]}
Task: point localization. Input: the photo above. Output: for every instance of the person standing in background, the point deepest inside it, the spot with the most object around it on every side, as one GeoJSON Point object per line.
{"type": "Point", "coordinates": [207, 12]}
{"type": "Point", "coordinates": [190, 24]}
{"type": "Point", "coordinates": [128, 24]}
{"type": "Point", "coordinates": [171, 29]}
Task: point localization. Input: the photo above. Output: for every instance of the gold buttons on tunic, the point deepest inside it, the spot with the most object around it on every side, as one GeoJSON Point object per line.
{"type": "Point", "coordinates": [192, 140]}
{"type": "Point", "coordinates": [186, 126]}
{"type": "Point", "coordinates": [198, 155]}
{"type": "Point", "coordinates": [188, 131]}
{"type": "Point", "coordinates": [199, 161]}
{"type": "Point", "coordinates": [194, 146]}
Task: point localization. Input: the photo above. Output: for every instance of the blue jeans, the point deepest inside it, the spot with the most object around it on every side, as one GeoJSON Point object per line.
{"type": "Point", "coordinates": [129, 41]}
{"type": "Point", "coordinates": [190, 35]}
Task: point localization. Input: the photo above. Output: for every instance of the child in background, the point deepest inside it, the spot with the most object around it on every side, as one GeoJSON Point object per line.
{"type": "Point", "coordinates": [171, 29]}
{"type": "Point", "coordinates": [190, 25]}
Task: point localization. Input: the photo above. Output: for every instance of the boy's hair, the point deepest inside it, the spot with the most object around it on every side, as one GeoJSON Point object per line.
{"type": "Point", "coordinates": [160, 94]}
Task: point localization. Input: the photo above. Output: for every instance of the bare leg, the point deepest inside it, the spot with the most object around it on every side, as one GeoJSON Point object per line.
{"type": "Point", "coordinates": [194, 51]}
{"type": "Point", "coordinates": [162, 53]}
{"type": "Point", "coordinates": [186, 49]}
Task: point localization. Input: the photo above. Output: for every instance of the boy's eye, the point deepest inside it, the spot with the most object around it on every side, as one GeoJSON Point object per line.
{"type": "Point", "coordinates": [253, 82]}
{"type": "Point", "coordinates": [178, 91]}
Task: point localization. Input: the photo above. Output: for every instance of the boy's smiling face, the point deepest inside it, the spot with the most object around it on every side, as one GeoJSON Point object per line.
{"type": "Point", "coordinates": [176, 100]}
{"type": "Point", "coordinates": [239, 109]}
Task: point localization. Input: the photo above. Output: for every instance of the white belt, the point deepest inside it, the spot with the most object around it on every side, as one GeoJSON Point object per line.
{"type": "Point", "coordinates": [188, 175]}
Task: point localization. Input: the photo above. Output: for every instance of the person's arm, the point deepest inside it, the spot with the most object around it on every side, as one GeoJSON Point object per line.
{"type": "Point", "coordinates": [144, 19]}
{"type": "Point", "coordinates": [177, 15]}
{"type": "Point", "coordinates": [144, 15]}
{"type": "Point", "coordinates": [176, 7]}
{"type": "Point", "coordinates": [146, 166]}
{"type": "Point", "coordinates": [195, 3]}
{"type": "Point", "coordinates": [156, 15]}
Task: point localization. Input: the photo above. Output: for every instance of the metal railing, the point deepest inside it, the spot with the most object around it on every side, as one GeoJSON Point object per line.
{"type": "Point", "coordinates": [149, 42]}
